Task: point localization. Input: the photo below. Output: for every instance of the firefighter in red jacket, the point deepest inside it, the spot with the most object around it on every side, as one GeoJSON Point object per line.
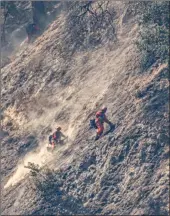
{"type": "Point", "coordinates": [100, 119]}
{"type": "Point", "coordinates": [55, 138]}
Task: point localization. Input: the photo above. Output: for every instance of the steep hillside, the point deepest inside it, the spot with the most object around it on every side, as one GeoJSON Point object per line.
{"type": "Point", "coordinates": [123, 173]}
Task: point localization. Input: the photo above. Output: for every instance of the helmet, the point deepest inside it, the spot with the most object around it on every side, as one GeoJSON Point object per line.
{"type": "Point", "coordinates": [58, 128]}
{"type": "Point", "coordinates": [104, 109]}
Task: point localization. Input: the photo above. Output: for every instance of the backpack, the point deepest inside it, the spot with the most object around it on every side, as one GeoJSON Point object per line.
{"type": "Point", "coordinates": [93, 124]}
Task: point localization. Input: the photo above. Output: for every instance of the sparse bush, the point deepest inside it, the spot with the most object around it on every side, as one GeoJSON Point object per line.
{"type": "Point", "coordinates": [89, 24]}
{"type": "Point", "coordinates": [153, 41]}
{"type": "Point", "coordinates": [47, 183]}
{"type": "Point", "coordinates": [44, 179]}
{"type": "Point", "coordinates": [14, 15]}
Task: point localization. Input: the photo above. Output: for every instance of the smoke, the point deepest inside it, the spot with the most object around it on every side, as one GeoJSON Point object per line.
{"type": "Point", "coordinates": [38, 158]}
{"type": "Point", "coordinates": [41, 158]}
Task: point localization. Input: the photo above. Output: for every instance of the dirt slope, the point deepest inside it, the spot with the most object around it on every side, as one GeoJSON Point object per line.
{"type": "Point", "coordinates": [125, 172]}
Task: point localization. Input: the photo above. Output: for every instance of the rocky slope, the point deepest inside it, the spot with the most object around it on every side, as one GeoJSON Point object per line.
{"type": "Point", "coordinates": [124, 173]}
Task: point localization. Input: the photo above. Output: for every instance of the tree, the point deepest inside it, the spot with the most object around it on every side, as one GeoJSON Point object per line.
{"type": "Point", "coordinates": [39, 13]}
{"type": "Point", "coordinates": [89, 24]}
{"type": "Point", "coordinates": [7, 8]}
{"type": "Point", "coordinates": [153, 40]}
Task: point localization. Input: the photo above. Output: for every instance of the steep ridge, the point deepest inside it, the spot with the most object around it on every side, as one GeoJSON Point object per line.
{"type": "Point", "coordinates": [125, 172]}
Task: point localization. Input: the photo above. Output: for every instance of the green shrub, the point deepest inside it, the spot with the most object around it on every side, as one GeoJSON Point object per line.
{"type": "Point", "coordinates": [153, 41]}
{"type": "Point", "coordinates": [44, 179]}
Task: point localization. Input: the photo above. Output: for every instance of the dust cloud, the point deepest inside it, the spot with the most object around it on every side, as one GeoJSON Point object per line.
{"type": "Point", "coordinates": [41, 158]}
